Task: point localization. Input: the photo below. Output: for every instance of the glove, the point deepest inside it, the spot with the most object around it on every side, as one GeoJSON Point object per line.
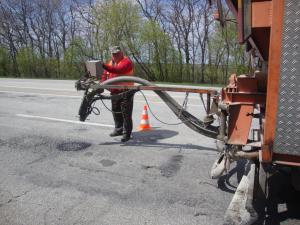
{"type": "Point", "coordinates": [104, 66]}
{"type": "Point", "coordinates": [100, 90]}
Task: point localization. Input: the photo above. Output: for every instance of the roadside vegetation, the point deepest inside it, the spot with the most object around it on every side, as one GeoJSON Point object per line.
{"type": "Point", "coordinates": [169, 41]}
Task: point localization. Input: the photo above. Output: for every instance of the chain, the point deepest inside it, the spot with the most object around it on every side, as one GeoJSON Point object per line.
{"type": "Point", "coordinates": [201, 96]}
{"type": "Point", "coordinates": [184, 104]}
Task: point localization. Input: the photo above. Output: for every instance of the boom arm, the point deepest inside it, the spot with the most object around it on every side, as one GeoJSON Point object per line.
{"type": "Point", "coordinates": [187, 118]}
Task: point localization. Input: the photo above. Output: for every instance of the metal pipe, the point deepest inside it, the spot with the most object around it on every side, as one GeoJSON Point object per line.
{"type": "Point", "coordinates": [208, 104]}
{"type": "Point", "coordinates": [246, 155]}
{"type": "Point", "coordinates": [223, 127]}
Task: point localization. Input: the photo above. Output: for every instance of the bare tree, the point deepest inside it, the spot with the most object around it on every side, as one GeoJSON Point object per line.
{"type": "Point", "coordinates": [7, 33]}
{"type": "Point", "coordinates": [203, 21]}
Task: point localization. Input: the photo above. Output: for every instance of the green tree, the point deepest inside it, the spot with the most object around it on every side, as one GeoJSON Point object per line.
{"type": "Point", "coordinates": [225, 55]}
{"type": "Point", "coordinates": [5, 65]}
{"type": "Point", "coordinates": [26, 59]}
{"type": "Point", "coordinates": [158, 51]}
{"type": "Point", "coordinates": [114, 22]}
{"type": "Point", "coordinates": [120, 23]}
{"type": "Point", "coordinates": [73, 58]}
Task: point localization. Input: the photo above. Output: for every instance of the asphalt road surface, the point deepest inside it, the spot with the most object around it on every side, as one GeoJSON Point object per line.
{"type": "Point", "coordinates": [58, 171]}
{"type": "Point", "coordinates": [55, 170]}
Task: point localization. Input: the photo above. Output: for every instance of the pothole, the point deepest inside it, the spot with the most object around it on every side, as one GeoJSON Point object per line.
{"type": "Point", "coordinates": [72, 146]}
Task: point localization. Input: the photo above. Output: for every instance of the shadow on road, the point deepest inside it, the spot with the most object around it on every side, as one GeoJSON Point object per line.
{"type": "Point", "coordinates": [150, 139]}
{"type": "Point", "coordinates": [225, 182]}
{"type": "Point", "coordinates": [283, 204]}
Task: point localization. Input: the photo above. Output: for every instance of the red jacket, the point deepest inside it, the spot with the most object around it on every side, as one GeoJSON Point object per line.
{"type": "Point", "coordinates": [111, 70]}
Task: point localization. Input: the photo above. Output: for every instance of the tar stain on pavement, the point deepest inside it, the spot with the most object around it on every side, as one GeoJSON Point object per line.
{"type": "Point", "coordinates": [193, 202]}
{"type": "Point", "coordinates": [200, 214]}
{"type": "Point", "coordinates": [72, 146]}
{"type": "Point", "coordinates": [107, 162]}
{"type": "Point", "coordinates": [81, 129]}
{"type": "Point", "coordinates": [2, 142]}
{"type": "Point", "coordinates": [88, 154]}
{"type": "Point", "coordinates": [172, 166]}
{"type": "Point", "coordinates": [147, 167]}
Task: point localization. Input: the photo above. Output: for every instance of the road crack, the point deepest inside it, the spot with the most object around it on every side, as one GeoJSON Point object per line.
{"type": "Point", "coordinates": [14, 198]}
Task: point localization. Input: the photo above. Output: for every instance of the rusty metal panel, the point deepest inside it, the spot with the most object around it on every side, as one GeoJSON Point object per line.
{"type": "Point", "coordinates": [287, 136]}
{"type": "Point", "coordinates": [240, 119]}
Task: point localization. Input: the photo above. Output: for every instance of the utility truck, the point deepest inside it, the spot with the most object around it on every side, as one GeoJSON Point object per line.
{"type": "Point", "coordinates": [270, 96]}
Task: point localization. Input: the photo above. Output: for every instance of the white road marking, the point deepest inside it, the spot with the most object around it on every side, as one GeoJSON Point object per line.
{"type": "Point", "coordinates": [62, 120]}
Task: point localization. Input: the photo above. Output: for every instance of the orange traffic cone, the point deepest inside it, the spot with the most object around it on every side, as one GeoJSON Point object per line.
{"type": "Point", "coordinates": [144, 125]}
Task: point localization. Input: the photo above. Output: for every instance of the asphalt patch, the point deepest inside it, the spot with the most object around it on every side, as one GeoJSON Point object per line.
{"type": "Point", "coordinates": [153, 135]}
{"type": "Point", "coordinates": [147, 167]}
{"type": "Point", "coordinates": [81, 129]}
{"type": "Point", "coordinates": [72, 146]}
{"type": "Point", "coordinates": [2, 142]}
{"type": "Point", "coordinates": [107, 162]}
{"type": "Point", "coordinates": [30, 142]}
{"type": "Point", "coordinates": [171, 168]}
{"type": "Point", "coordinates": [89, 154]}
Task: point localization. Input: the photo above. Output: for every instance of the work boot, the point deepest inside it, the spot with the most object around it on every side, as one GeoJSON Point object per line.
{"type": "Point", "coordinates": [125, 137]}
{"type": "Point", "coordinates": [116, 133]}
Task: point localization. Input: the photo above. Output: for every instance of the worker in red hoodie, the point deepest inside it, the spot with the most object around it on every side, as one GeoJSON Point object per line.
{"type": "Point", "coordinates": [120, 65]}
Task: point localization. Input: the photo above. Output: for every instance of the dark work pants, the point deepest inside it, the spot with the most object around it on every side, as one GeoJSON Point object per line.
{"type": "Point", "coordinates": [122, 113]}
